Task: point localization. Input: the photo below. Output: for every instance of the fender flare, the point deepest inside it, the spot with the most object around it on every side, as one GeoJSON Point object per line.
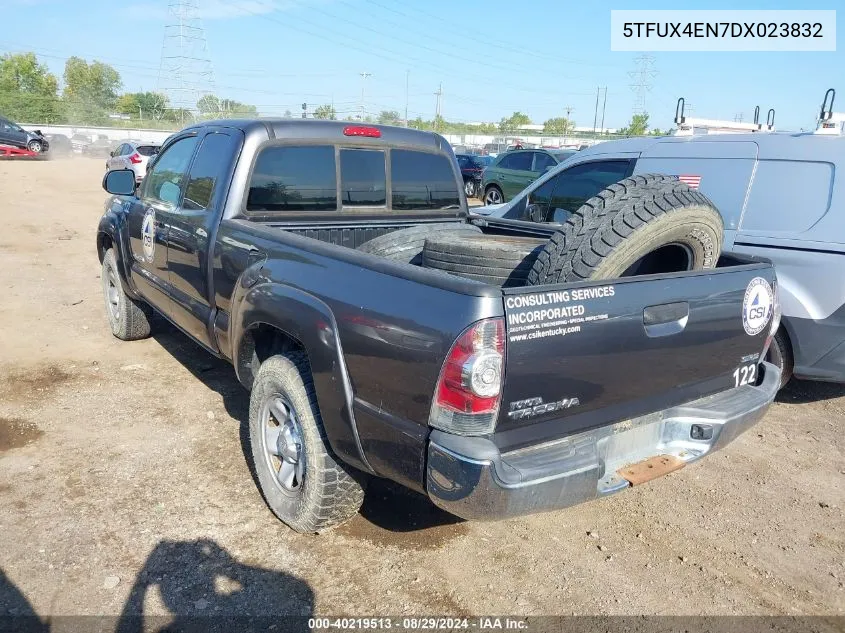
{"type": "Point", "coordinates": [113, 226]}
{"type": "Point", "coordinates": [309, 321]}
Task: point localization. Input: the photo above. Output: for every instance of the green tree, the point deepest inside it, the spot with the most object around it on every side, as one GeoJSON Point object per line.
{"type": "Point", "coordinates": [638, 125]}
{"type": "Point", "coordinates": [559, 126]}
{"type": "Point", "coordinates": [213, 107]}
{"type": "Point", "coordinates": [388, 117]}
{"type": "Point", "coordinates": [147, 106]}
{"type": "Point", "coordinates": [325, 112]}
{"type": "Point", "coordinates": [514, 122]}
{"type": "Point", "coordinates": [90, 92]}
{"type": "Point", "coordinates": [27, 89]}
{"type": "Point", "coordinates": [209, 105]}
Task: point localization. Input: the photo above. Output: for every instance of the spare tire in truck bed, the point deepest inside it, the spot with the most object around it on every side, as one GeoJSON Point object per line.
{"type": "Point", "coordinates": [494, 259]}
{"type": "Point", "coordinates": [406, 245]}
{"type": "Point", "coordinates": [644, 224]}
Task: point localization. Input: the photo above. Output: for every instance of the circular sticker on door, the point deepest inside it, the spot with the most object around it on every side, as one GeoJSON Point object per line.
{"type": "Point", "coordinates": [757, 306]}
{"type": "Point", "coordinates": [148, 234]}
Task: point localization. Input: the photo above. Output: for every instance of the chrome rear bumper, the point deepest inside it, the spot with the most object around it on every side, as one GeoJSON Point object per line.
{"type": "Point", "coordinates": [470, 478]}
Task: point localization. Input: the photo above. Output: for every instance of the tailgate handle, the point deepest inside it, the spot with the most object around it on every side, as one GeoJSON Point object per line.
{"type": "Point", "coordinates": [666, 319]}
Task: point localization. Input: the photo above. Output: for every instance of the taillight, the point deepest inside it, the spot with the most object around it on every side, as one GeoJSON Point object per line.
{"type": "Point", "coordinates": [135, 158]}
{"type": "Point", "coordinates": [775, 324]}
{"type": "Point", "coordinates": [469, 391]}
{"type": "Point", "coordinates": [362, 130]}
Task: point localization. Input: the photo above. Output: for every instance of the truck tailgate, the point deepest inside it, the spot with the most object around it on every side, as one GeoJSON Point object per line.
{"type": "Point", "coordinates": [589, 354]}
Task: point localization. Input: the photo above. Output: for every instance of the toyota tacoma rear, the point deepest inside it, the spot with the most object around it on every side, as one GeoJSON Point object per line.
{"type": "Point", "coordinates": [297, 251]}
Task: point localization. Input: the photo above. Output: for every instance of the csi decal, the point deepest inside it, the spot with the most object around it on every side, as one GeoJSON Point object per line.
{"type": "Point", "coordinates": [148, 234]}
{"type": "Point", "coordinates": [757, 306]}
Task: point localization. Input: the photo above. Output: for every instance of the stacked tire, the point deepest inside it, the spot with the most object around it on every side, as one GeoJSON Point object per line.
{"type": "Point", "coordinates": [498, 260]}
{"type": "Point", "coordinates": [645, 224]}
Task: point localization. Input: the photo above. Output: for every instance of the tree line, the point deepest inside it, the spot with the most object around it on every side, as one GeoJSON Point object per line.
{"type": "Point", "coordinates": [92, 95]}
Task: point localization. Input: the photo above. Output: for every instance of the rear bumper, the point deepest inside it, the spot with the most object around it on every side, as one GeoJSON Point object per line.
{"type": "Point", "coordinates": [470, 478]}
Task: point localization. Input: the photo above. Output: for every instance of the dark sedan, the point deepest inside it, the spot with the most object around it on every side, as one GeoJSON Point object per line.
{"type": "Point", "coordinates": [472, 167]}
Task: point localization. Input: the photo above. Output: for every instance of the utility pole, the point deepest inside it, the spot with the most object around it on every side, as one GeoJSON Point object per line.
{"type": "Point", "coordinates": [407, 81]}
{"type": "Point", "coordinates": [363, 81]}
{"type": "Point", "coordinates": [569, 110]}
{"type": "Point", "coordinates": [596, 114]}
{"type": "Point", "coordinates": [603, 108]}
{"type": "Point", "coordinates": [439, 95]}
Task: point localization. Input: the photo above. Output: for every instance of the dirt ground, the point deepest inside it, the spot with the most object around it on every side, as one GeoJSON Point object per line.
{"type": "Point", "coordinates": [124, 486]}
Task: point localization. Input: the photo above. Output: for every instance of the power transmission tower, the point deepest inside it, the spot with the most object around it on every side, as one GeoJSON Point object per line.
{"type": "Point", "coordinates": [185, 74]}
{"type": "Point", "coordinates": [643, 75]}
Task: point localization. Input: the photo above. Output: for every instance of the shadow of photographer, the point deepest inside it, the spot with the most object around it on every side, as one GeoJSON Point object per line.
{"type": "Point", "coordinates": [183, 586]}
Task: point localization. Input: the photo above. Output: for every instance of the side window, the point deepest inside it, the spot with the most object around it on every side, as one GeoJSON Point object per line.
{"type": "Point", "coordinates": [521, 161]}
{"type": "Point", "coordinates": [124, 150]}
{"type": "Point", "coordinates": [163, 183]}
{"type": "Point", "coordinates": [293, 178]}
{"type": "Point", "coordinates": [205, 171]}
{"type": "Point", "coordinates": [422, 181]}
{"type": "Point", "coordinates": [537, 209]}
{"type": "Point", "coordinates": [543, 161]}
{"type": "Point", "coordinates": [507, 162]}
{"type": "Point", "coordinates": [581, 182]}
{"type": "Point", "coordinates": [362, 178]}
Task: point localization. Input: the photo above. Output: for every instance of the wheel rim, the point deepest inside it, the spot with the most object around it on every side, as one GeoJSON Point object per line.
{"type": "Point", "coordinates": [113, 294]}
{"type": "Point", "coordinates": [493, 197]}
{"type": "Point", "coordinates": [35, 146]}
{"type": "Point", "coordinates": [281, 439]}
{"type": "Point", "coordinates": [469, 188]}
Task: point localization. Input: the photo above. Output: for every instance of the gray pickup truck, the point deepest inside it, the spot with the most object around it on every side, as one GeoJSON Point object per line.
{"type": "Point", "coordinates": [256, 239]}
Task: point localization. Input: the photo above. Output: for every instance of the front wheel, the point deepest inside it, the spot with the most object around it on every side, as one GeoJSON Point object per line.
{"type": "Point", "coordinates": [493, 195]}
{"type": "Point", "coordinates": [469, 188]}
{"type": "Point", "coordinates": [304, 484]}
{"type": "Point", "coordinates": [35, 146]}
{"type": "Point", "coordinates": [129, 319]}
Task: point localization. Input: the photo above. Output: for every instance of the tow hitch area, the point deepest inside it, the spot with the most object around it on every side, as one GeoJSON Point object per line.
{"type": "Point", "coordinates": [651, 468]}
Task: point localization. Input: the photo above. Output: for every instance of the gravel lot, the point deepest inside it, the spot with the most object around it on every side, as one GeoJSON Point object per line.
{"type": "Point", "coordinates": [124, 487]}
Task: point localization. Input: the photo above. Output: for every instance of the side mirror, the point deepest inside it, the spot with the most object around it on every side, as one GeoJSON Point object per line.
{"type": "Point", "coordinates": [120, 182]}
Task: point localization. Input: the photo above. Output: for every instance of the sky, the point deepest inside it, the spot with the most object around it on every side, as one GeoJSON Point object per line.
{"type": "Point", "coordinates": [491, 57]}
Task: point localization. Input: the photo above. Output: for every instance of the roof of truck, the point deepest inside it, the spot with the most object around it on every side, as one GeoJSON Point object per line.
{"type": "Point", "coordinates": [321, 128]}
{"type": "Point", "coordinates": [768, 142]}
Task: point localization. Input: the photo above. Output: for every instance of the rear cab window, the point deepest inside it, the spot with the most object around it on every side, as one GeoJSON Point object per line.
{"type": "Point", "coordinates": [328, 179]}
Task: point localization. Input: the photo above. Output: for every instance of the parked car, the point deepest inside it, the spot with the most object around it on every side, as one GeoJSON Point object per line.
{"type": "Point", "coordinates": [472, 167]}
{"type": "Point", "coordinates": [512, 171]}
{"type": "Point", "coordinates": [60, 145]}
{"type": "Point", "coordinates": [80, 143]}
{"type": "Point", "coordinates": [100, 147]}
{"type": "Point", "coordinates": [781, 196]}
{"type": "Point", "coordinates": [291, 248]}
{"type": "Point", "coordinates": [132, 155]}
{"type": "Point", "coordinates": [14, 135]}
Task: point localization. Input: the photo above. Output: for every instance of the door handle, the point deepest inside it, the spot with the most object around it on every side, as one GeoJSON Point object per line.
{"type": "Point", "coordinates": [665, 319]}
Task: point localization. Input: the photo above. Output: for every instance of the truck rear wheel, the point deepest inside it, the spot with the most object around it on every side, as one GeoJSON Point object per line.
{"type": "Point", "coordinates": [780, 355]}
{"type": "Point", "coordinates": [304, 484]}
{"type": "Point", "coordinates": [129, 319]}
{"type": "Point", "coordinates": [406, 245]}
{"type": "Point", "coordinates": [498, 260]}
{"type": "Point", "coordinates": [641, 225]}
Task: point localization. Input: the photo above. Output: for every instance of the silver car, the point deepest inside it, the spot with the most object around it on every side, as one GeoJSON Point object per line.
{"type": "Point", "coordinates": [132, 155]}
